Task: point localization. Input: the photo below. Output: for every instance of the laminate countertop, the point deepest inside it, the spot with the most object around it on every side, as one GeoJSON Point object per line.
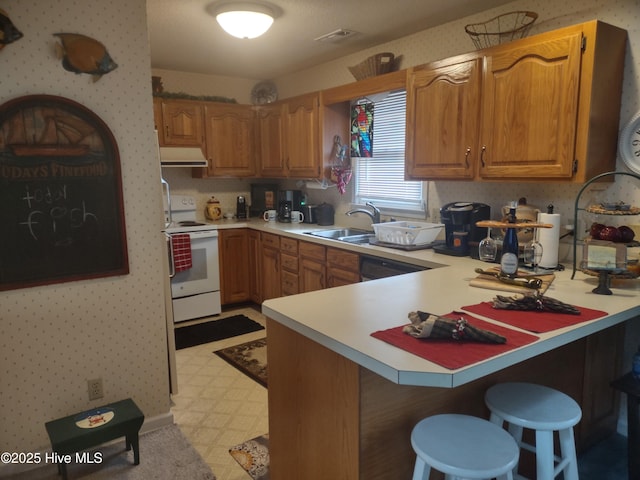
{"type": "Point", "coordinates": [343, 318]}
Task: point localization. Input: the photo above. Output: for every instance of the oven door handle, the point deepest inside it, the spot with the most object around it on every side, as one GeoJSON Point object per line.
{"type": "Point", "coordinates": [203, 234]}
{"type": "Point", "coordinates": [172, 265]}
{"type": "Point", "coordinates": [169, 219]}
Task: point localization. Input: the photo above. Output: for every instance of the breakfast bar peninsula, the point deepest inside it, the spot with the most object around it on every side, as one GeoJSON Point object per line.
{"type": "Point", "coordinates": [342, 403]}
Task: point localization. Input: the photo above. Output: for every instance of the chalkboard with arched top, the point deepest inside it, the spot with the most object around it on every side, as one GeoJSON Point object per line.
{"type": "Point", "coordinates": [61, 207]}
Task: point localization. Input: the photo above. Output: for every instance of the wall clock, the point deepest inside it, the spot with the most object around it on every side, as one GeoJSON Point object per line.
{"type": "Point", "coordinates": [629, 144]}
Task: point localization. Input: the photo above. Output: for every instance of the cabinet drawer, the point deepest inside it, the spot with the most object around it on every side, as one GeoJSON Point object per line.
{"type": "Point", "coordinates": [289, 245]}
{"type": "Point", "coordinates": [289, 262]}
{"type": "Point", "coordinates": [270, 240]}
{"type": "Point", "coordinates": [289, 283]}
{"type": "Point", "coordinates": [311, 250]}
{"type": "Point", "coordinates": [344, 259]}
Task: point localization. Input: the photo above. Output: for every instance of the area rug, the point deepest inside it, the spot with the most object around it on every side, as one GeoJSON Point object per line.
{"type": "Point", "coordinates": [165, 454]}
{"type": "Point", "coordinates": [253, 456]}
{"type": "Point", "coordinates": [250, 358]}
{"type": "Point", "coordinates": [215, 330]}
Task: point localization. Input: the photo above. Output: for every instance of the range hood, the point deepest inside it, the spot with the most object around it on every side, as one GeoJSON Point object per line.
{"type": "Point", "coordinates": [182, 157]}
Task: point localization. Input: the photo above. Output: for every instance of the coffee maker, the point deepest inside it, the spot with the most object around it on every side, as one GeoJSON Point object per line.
{"type": "Point", "coordinates": [293, 197]}
{"type": "Point", "coordinates": [284, 211]}
{"type": "Point", "coordinates": [461, 233]}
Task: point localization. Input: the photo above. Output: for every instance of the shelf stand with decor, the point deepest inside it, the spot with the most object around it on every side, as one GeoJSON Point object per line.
{"type": "Point", "coordinates": [604, 274]}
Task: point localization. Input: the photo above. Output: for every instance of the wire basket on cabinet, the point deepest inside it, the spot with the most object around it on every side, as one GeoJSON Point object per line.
{"type": "Point", "coordinates": [375, 65]}
{"type": "Point", "coordinates": [503, 28]}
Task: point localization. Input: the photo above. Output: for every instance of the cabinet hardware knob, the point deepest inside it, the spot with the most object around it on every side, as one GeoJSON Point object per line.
{"type": "Point", "coordinates": [466, 156]}
{"type": "Point", "coordinates": [484, 149]}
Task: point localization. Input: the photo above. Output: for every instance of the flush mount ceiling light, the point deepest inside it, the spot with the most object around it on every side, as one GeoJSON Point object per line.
{"type": "Point", "coordinates": [243, 20]}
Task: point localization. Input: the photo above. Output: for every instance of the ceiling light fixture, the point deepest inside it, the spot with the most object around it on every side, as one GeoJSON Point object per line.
{"type": "Point", "coordinates": [244, 20]}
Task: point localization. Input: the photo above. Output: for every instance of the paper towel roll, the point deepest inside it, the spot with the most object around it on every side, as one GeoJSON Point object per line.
{"type": "Point", "coordinates": [550, 239]}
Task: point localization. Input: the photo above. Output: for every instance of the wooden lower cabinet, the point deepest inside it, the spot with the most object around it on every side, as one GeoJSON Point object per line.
{"type": "Point", "coordinates": [312, 270]}
{"type": "Point", "coordinates": [255, 269]}
{"type": "Point", "coordinates": [343, 267]}
{"type": "Point", "coordinates": [256, 266]}
{"type": "Point", "coordinates": [234, 265]}
{"type": "Point", "coordinates": [331, 418]}
{"type": "Point", "coordinates": [270, 266]}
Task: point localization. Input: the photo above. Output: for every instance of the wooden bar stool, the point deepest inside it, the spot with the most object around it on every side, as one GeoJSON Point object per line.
{"type": "Point", "coordinates": [463, 447]}
{"type": "Point", "coordinates": [545, 410]}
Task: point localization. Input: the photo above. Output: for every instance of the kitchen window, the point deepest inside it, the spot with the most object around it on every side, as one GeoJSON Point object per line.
{"type": "Point", "coordinates": [380, 179]}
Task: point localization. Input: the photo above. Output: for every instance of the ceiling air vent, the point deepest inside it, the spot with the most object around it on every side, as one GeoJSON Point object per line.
{"type": "Point", "coordinates": [335, 36]}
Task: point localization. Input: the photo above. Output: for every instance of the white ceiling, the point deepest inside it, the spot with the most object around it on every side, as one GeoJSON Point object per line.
{"type": "Point", "coordinates": [184, 37]}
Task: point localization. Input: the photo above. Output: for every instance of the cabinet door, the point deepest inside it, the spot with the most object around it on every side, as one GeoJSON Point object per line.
{"type": "Point", "coordinates": [270, 266]}
{"type": "Point", "coordinates": [302, 137]}
{"type": "Point", "coordinates": [312, 271]}
{"type": "Point", "coordinates": [271, 141]}
{"type": "Point", "coordinates": [443, 116]}
{"type": "Point", "coordinates": [234, 265]}
{"type": "Point", "coordinates": [230, 139]}
{"type": "Point", "coordinates": [312, 275]}
{"type": "Point", "coordinates": [337, 277]}
{"type": "Point", "coordinates": [530, 108]}
{"type": "Point", "coordinates": [182, 123]}
{"type": "Point", "coordinates": [255, 267]}
{"type": "Point", "coordinates": [343, 267]}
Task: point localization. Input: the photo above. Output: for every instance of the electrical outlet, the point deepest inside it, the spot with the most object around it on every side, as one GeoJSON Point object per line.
{"type": "Point", "coordinates": [95, 389]}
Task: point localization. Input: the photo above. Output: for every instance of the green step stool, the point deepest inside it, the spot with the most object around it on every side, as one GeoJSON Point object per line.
{"type": "Point", "coordinates": [68, 438]}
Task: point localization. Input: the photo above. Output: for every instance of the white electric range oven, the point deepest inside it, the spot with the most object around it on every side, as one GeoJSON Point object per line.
{"type": "Point", "coordinates": [195, 292]}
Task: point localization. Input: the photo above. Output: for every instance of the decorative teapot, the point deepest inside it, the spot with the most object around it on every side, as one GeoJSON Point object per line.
{"type": "Point", "coordinates": [524, 214]}
{"type": "Point", "coordinates": [213, 211]}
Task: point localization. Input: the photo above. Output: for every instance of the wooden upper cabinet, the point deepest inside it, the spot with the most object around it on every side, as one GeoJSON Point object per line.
{"type": "Point", "coordinates": [302, 136]}
{"type": "Point", "coordinates": [549, 109]}
{"type": "Point", "coordinates": [270, 137]}
{"type": "Point", "coordinates": [289, 138]}
{"type": "Point", "coordinates": [443, 114]}
{"type": "Point", "coordinates": [530, 98]}
{"type": "Point", "coordinates": [182, 123]}
{"type": "Point", "coordinates": [230, 139]}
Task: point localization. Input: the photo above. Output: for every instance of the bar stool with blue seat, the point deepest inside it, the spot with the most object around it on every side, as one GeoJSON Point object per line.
{"type": "Point", "coordinates": [463, 447]}
{"type": "Point", "coordinates": [544, 410]}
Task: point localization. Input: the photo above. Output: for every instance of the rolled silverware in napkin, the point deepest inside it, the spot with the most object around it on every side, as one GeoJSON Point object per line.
{"type": "Point", "coordinates": [427, 325]}
{"type": "Point", "coordinates": [538, 303]}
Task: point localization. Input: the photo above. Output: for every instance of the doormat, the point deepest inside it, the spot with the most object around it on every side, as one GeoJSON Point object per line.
{"type": "Point", "coordinates": [215, 330]}
{"type": "Point", "coordinates": [250, 358]}
{"type": "Point", "coordinates": [253, 456]}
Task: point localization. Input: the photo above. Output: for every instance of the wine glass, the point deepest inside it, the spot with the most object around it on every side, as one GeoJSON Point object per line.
{"type": "Point", "coordinates": [532, 253]}
{"type": "Point", "coordinates": [487, 248]}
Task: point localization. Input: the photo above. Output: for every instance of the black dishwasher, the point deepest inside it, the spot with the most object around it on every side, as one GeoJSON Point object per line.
{"type": "Point", "coordinates": [372, 268]}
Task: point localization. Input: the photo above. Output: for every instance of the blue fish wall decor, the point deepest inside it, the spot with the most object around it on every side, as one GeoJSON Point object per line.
{"type": "Point", "coordinates": [8, 31]}
{"type": "Point", "coordinates": [82, 54]}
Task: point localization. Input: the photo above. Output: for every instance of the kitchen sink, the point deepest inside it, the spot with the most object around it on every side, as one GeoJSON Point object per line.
{"type": "Point", "coordinates": [349, 235]}
{"type": "Point", "coordinates": [363, 238]}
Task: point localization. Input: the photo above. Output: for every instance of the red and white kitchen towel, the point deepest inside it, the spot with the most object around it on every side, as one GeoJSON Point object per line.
{"type": "Point", "coordinates": [181, 249]}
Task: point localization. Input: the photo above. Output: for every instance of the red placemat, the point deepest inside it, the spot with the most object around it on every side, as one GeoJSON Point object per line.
{"type": "Point", "coordinates": [454, 354]}
{"type": "Point", "coordinates": [537, 322]}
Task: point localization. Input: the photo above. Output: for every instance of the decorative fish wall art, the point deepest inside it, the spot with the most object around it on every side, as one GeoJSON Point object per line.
{"type": "Point", "coordinates": [8, 31]}
{"type": "Point", "coordinates": [82, 54]}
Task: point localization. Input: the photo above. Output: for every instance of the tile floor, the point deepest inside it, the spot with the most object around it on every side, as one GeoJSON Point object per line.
{"type": "Point", "coordinates": [216, 406]}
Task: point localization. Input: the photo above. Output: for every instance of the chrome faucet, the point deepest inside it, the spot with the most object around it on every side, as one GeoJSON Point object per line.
{"type": "Point", "coordinates": [374, 214]}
